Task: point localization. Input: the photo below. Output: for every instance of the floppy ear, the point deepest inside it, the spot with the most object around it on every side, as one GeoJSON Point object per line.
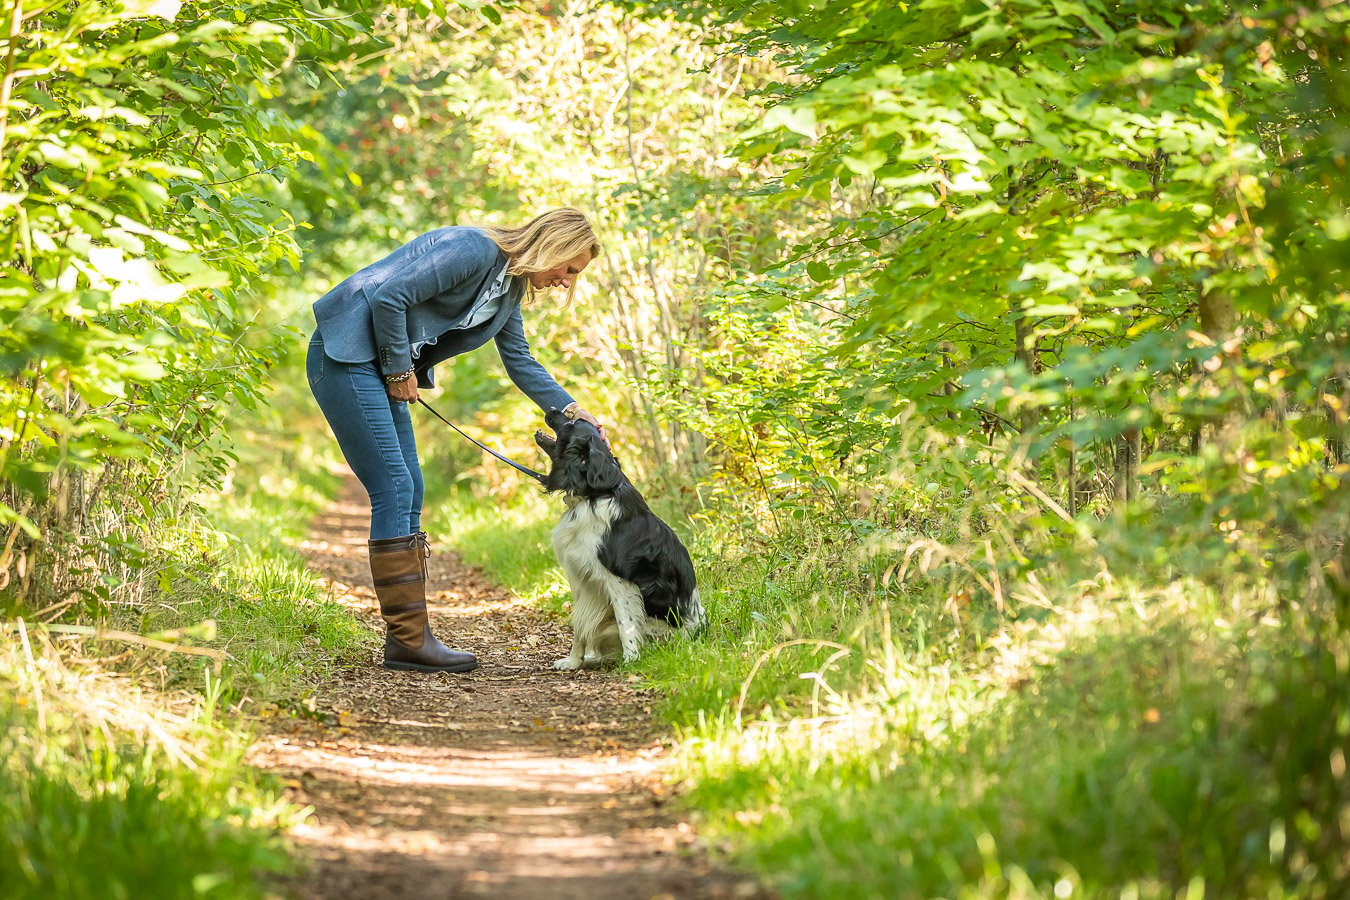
{"type": "Point", "coordinates": [602, 469]}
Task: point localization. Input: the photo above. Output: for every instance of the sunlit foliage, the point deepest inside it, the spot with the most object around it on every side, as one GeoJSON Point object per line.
{"type": "Point", "coordinates": [135, 139]}
{"type": "Point", "coordinates": [1104, 242]}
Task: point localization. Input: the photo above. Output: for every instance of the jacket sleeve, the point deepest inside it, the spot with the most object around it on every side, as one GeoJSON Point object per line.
{"type": "Point", "coordinates": [443, 265]}
{"type": "Point", "coordinates": [525, 371]}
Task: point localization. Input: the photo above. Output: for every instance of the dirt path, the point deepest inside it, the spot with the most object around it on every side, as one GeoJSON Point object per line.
{"type": "Point", "coordinates": [510, 781]}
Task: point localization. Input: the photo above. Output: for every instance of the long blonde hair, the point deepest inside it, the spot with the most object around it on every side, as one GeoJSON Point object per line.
{"type": "Point", "coordinates": [549, 239]}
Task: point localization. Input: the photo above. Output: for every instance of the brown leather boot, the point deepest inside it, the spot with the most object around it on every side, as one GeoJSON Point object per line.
{"type": "Point", "coordinates": [398, 568]}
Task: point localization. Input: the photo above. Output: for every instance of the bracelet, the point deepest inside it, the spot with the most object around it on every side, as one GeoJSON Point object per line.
{"type": "Point", "coordinates": [571, 410]}
{"type": "Point", "coordinates": [401, 376]}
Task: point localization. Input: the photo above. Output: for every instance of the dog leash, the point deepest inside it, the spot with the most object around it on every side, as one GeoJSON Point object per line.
{"type": "Point", "coordinates": [515, 465]}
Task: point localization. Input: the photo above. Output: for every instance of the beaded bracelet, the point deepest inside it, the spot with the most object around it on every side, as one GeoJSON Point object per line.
{"type": "Point", "coordinates": [401, 376]}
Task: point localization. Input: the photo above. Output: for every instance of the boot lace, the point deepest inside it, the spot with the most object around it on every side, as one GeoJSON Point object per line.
{"type": "Point", "coordinates": [423, 542]}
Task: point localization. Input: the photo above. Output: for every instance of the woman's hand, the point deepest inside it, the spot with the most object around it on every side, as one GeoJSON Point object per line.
{"type": "Point", "coordinates": [403, 391]}
{"type": "Point", "coordinates": [576, 412]}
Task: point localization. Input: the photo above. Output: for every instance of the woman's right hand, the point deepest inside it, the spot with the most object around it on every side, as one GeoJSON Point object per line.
{"type": "Point", "coordinates": [403, 391]}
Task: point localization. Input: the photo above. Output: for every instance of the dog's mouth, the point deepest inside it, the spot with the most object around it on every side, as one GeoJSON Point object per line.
{"type": "Point", "coordinates": [545, 441]}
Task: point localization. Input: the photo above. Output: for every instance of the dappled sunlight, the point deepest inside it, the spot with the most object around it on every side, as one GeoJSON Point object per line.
{"type": "Point", "coordinates": [68, 690]}
{"type": "Point", "coordinates": [989, 360]}
{"type": "Point", "coordinates": [904, 701]}
{"type": "Point", "coordinates": [128, 773]}
{"type": "Point", "coordinates": [901, 704]}
{"type": "Point", "coordinates": [505, 781]}
{"type": "Point", "coordinates": [423, 766]}
{"type": "Point", "coordinates": [478, 607]}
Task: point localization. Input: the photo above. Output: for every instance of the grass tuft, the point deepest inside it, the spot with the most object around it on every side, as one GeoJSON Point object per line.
{"type": "Point", "coordinates": [106, 791]}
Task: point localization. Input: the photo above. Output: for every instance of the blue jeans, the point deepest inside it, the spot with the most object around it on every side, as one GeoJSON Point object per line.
{"type": "Point", "coordinates": [376, 437]}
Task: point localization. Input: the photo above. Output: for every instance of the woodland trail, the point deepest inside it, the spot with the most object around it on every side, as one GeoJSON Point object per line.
{"type": "Point", "coordinates": [510, 781]}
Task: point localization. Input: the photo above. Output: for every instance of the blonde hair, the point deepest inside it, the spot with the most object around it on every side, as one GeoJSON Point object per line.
{"type": "Point", "coordinates": [548, 240]}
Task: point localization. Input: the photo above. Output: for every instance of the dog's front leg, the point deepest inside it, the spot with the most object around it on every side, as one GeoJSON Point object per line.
{"type": "Point", "coordinates": [628, 613]}
{"type": "Point", "coordinates": [572, 661]}
{"type": "Point", "coordinates": [580, 627]}
{"type": "Point", "coordinates": [576, 656]}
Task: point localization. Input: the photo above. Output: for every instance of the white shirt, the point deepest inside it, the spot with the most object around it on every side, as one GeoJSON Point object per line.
{"type": "Point", "coordinates": [484, 309]}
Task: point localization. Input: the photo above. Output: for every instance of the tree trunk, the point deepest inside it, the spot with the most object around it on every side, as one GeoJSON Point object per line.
{"type": "Point", "coordinates": [1073, 479]}
{"type": "Point", "coordinates": [1218, 322]}
{"type": "Point", "coordinates": [945, 350]}
{"type": "Point", "coordinates": [1132, 457]}
{"type": "Point", "coordinates": [1127, 466]}
{"type": "Point", "coordinates": [1218, 316]}
{"type": "Point", "coordinates": [1025, 353]}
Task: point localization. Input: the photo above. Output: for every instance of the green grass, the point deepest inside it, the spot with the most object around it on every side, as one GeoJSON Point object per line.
{"type": "Point", "coordinates": [121, 766]}
{"type": "Point", "coordinates": [111, 790]}
{"type": "Point", "coordinates": [1111, 752]}
{"type": "Point", "coordinates": [236, 570]}
{"type": "Point", "coordinates": [1097, 738]}
{"type": "Point", "coordinates": [106, 791]}
{"type": "Point", "coordinates": [911, 743]}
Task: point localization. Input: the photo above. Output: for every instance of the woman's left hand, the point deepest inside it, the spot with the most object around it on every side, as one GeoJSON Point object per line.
{"type": "Point", "coordinates": [582, 415]}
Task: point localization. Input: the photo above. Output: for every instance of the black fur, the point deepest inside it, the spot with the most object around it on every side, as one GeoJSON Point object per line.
{"type": "Point", "coordinates": [638, 546]}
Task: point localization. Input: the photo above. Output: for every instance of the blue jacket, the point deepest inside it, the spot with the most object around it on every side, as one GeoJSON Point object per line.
{"type": "Point", "coordinates": [418, 296]}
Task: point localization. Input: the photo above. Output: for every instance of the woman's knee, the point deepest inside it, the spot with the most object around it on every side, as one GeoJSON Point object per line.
{"type": "Point", "coordinates": [397, 487]}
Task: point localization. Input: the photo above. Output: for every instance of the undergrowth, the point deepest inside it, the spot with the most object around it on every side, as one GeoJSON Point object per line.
{"type": "Point", "coordinates": [854, 730]}
{"type": "Point", "coordinates": [235, 565]}
{"type": "Point", "coordinates": [107, 790]}
{"type": "Point", "coordinates": [231, 560]}
{"type": "Point", "coordinates": [121, 762]}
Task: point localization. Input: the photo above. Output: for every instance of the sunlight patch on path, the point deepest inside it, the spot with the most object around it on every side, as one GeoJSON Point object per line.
{"type": "Point", "coordinates": [513, 781]}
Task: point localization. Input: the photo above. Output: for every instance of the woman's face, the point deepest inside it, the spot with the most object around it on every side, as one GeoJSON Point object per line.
{"type": "Point", "coordinates": [561, 276]}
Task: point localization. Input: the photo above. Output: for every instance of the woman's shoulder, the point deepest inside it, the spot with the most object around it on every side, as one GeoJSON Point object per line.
{"type": "Point", "coordinates": [466, 238]}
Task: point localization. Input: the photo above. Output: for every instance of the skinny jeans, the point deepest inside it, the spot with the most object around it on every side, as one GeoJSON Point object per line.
{"type": "Point", "coordinates": [375, 435]}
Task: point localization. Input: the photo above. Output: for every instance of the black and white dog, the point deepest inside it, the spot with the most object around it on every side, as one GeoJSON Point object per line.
{"type": "Point", "coordinates": [631, 578]}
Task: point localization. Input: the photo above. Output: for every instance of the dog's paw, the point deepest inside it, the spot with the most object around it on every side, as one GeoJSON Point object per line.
{"type": "Point", "coordinates": [567, 664]}
{"type": "Point", "coordinates": [630, 656]}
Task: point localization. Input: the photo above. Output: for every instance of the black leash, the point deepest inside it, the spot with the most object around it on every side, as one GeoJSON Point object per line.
{"type": "Point", "coordinates": [515, 465]}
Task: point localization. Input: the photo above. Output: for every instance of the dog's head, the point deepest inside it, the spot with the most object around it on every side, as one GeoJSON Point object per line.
{"type": "Point", "coordinates": [581, 464]}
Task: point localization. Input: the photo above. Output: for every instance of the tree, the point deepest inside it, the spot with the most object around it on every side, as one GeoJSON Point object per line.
{"type": "Point", "coordinates": [133, 139]}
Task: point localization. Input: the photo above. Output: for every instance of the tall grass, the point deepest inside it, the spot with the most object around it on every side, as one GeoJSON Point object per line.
{"type": "Point", "coordinates": [853, 733]}
{"type": "Point", "coordinates": [107, 791]}
{"type": "Point", "coordinates": [1136, 743]}
{"type": "Point", "coordinates": [121, 765]}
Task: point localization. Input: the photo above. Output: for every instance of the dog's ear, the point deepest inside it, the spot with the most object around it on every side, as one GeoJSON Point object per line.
{"type": "Point", "coordinates": [602, 469]}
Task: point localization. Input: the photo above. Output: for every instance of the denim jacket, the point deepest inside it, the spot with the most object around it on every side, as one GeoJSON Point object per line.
{"type": "Point", "coordinates": [420, 296]}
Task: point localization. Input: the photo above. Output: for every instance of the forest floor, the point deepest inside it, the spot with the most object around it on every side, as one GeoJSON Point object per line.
{"type": "Point", "coordinates": [509, 781]}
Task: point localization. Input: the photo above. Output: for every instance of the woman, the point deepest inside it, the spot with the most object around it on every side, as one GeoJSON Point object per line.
{"type": "Point", "coordinates": [379, 334]}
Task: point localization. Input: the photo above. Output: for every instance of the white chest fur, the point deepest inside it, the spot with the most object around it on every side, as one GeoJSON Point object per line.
{"type": "Point", "coordinates": [577, 538]}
